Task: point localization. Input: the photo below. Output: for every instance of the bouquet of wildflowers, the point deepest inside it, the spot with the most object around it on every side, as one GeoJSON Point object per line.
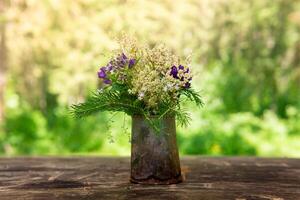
{"type": "Point", "coordinates": [140, 80]}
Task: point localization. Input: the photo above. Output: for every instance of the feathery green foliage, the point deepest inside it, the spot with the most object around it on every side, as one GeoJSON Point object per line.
{"type": "Point", "coordinates": [107, 100]}
{"type": "Point", "coordinates": [115, 99]}
{"type": "Point", "coordinates": [193, 96]}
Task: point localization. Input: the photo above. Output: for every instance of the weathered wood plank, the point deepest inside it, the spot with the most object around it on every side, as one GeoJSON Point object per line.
{"type": "Point", "coordinates": [108, 178]}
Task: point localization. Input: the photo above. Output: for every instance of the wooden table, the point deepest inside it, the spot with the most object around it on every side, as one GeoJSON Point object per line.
{"type": "Point", "coordinates": [237, 178]}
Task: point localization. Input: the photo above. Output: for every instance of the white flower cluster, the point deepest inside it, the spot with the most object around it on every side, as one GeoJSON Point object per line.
{"type": "Point", "coordinates": [157, 75]}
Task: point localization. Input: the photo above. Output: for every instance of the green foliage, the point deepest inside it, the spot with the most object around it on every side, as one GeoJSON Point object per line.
{"type": "Point", "coordinates": [25, 129]}
{"type": "Point", "coordinates": [29, 132]}
{"type": "Point", "coordinates": [246, 61]}
{"type": "Point", "coordinates": [107, 100]}
{"type": "Point", "coordinates": [115, 99]}
{"type": "Point", "coordinates": [193, 96]}
{"type": "Point", "coordinates": [241, 134]}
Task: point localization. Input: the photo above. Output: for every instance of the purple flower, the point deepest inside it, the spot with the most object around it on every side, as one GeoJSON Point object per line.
{"type": "Point", "coordinates": [187, 70]}
{"type": "Point", "coordinates": [180, 67]}
{"type": "Point", "coordinates": [187, 85]}
{"type": "Point", "coordinates": [174, 71]}
{"type": "Point", "coordinates": [107, 81]}
{"type": "Point", "coordinates": [124, 57]}
{"type": "Point", "coordinates": [109, 67]}
{"type": "Point", "coordinates": [131, 63]}
{"type": "Point", "coordinates": [122, 63]}
{"type": "Point", "coordinates": [101, 73]}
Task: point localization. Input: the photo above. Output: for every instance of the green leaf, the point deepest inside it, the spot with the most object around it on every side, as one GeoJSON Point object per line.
{"type": "Point", "coordinates": [193, 96]}
{"type": "Point", "coordinates": [106, 101]}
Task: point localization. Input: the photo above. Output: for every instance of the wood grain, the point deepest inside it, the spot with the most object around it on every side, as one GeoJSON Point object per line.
{"type": "Point", "coordinates": [108, 178]}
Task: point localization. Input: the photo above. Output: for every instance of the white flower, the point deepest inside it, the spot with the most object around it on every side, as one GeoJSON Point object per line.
{"type": "Point", "coordinates": [100, 90]}
{"type": "Point", "coordinates": [169, 85]}
{"type": "Point", "coordinates": [141, 95]}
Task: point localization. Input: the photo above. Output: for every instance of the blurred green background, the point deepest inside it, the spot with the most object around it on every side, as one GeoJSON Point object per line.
{"type": "Point", "coordinates": [246, 60]}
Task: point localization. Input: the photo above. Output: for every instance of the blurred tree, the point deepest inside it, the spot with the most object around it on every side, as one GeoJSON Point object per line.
{"type": "Point", "coordinates": [250, 41]}
{"type": "Point", "coordinates": [245, 56]}
{"type": "Point", "coordinates": [252, 44]}
{"type": "Point", "coordinates": [3, 54]}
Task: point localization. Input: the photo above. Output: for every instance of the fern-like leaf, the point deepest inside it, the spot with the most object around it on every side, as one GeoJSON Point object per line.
{"type": "Point", "coordinates": [105, 101]}
{"type": "Point", "coordinates": [193, 96]}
